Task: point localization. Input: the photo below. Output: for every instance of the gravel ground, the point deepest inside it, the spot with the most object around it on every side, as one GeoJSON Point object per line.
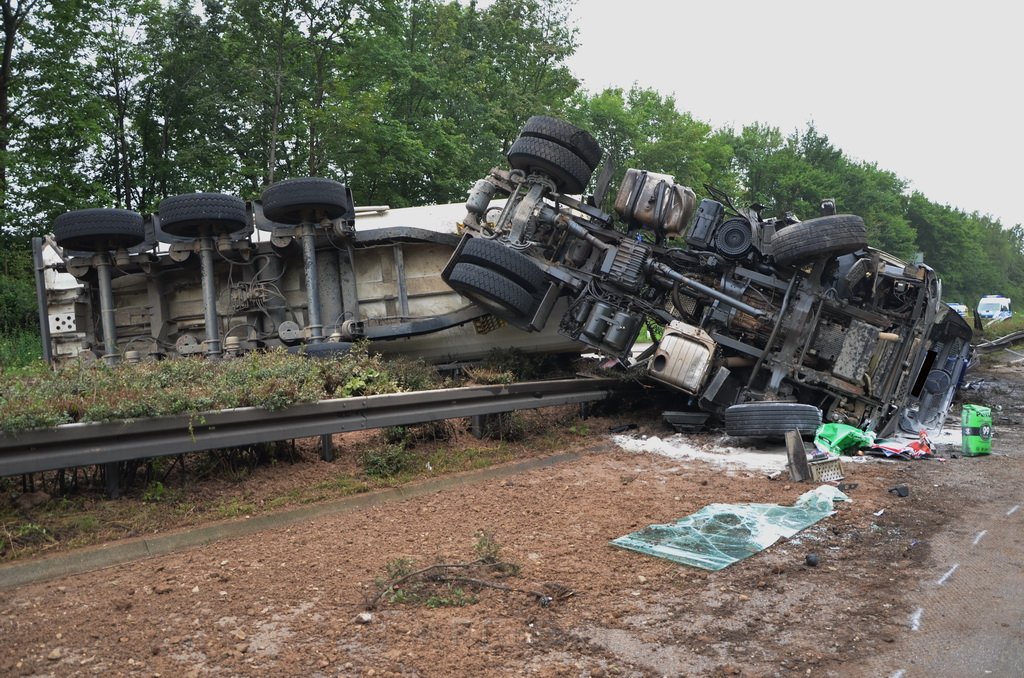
{"type": "Point", "coordinates": [295, 600]}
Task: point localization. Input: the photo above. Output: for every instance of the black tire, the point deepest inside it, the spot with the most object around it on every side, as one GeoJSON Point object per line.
{"type": "Point", "coordinates": [566, 169]}
{"type": "Point", "coordinates": [564, 134]}
{"type": "Point", "coordinates": [99, 230]}
{"type": "Point", "coordinates": [514, 265]}
{"type": "Point", "coordinates": [771, 419]}
{"type": "Point", "coordinates": [499, 295]}
{"type": "Point", "coordinates": [815, 238]}
{"type": "Point", "coordinates": [194, 214]}
{"type": "Point", "coordinates": [295, 201]}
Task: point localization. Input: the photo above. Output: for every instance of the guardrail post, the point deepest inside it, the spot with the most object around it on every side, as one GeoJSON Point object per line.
{"type": "Point", "coordinates": [327, 447]}
{"type": "Point", "coordinates": [112, 479]}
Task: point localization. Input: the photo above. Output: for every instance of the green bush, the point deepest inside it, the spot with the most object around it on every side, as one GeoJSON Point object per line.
{"type": "Point", "coordinates": [19, 348]}
{"type": "Point", "coordinates": [35, 396]}
{"type": "Point", "coordinates": [18, 307]}
{"type": "Point", "coordinates": [387, 461]}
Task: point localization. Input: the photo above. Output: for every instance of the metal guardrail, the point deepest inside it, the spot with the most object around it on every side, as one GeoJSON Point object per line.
{"type": "Point", "coordinates": [85, 444]}
{"type": "Point", "coordinates": [1001, 342]}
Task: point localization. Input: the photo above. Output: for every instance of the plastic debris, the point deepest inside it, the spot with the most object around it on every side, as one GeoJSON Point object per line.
{"type": "Point", "coordinates": [841, 438]}
{"type": "Point", "coordinates": [900, 490]}
{"type": "Point", "coordinates": [721, 534]}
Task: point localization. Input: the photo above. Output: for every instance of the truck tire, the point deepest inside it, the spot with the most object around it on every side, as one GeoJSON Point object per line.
{"type": "Point", "coordinates": [815, 238]}
{"type": "Point", "coordinates": [294, 201]}
{"type": "Point", "coordinates": [499, 295]}
{"type": "Point", "coordinates": [771, 419]}
{"type": "Point", "coordinates": [566, 169]}
{"type": "Point", "coordinates": [514, 265]}
{"type": "Point", "coordinates": [564, 134]}
{"type": "Point", "coordinates": [99, 230]}
{"type": "Point", "coordinates": [194, 214]}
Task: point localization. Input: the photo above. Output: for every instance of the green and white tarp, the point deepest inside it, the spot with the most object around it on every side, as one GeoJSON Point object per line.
{"type": "Point", "coordinates": [718, 535]}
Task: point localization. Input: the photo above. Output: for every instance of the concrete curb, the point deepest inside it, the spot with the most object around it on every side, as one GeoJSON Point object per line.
{"type": "Point", "coordinates": [96, 558]}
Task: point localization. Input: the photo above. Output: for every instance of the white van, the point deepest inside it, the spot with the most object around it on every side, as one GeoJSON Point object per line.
{"type": "Point", "coordinates": [995, 307]}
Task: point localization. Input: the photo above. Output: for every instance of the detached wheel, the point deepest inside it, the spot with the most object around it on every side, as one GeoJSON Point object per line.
{"type": "Point", "coordinates": [771, 420]}
{"type": "Point", "coordinates": [514, 265]}
{"type": "Point", "coordinates": [500, 296]}
{"type": "Point", "coordinates": [564, 134]}
{"type": "Point", "coordinates": [566, 169]}
{"type": "Point", "coordinates": [295, 201]}
{"type": "Point", "coordinates": [825, 236]}
{"type": "Point", "coordinates": [194, 214]}
{"type": "Point", "coordinates": [99, 230]}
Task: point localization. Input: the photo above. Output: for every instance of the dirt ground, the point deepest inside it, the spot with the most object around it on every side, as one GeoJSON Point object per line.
{"type": "Point", "coordinates": [293, 601]}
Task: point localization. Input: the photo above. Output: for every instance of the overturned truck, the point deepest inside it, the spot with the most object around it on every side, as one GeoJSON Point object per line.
{"type": "Point", "coordinates": [771, 324]}
{"type": "Point", "coordinates": [767, 324]}
{"type": "Point", "coordinates": [211, 275]}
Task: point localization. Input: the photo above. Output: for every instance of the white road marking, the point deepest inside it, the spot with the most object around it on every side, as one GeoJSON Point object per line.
{"type": "Point", "coordinates": [978, 538]}
{"type": "Point", "coordinates": [915, 619]}
{"type": "Point", "coordinates": [947, 575]}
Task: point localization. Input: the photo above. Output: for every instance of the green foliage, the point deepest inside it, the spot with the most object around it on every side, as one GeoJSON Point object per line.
{"type": "Point", "coordinates": [125, 102]}
{"type": "Point", "coordinates": [454, 597]}
{"type": "Point", "coordinates": [358, 373]}
{"type": "Point", "coordinates": [386, 461]}
{"type": "Point", "coordinates": [18, 308]}
{"type": "Point", "coordinates": [36, 397]}
{"type": "Point", "coordinates": [154, 492]}
{"type": "Point", "coordinates": [19, 349]}
{"type": "Point", "coordinates": [485, 546]}
{"type": "Point", "coordinates": [445, 584]}
{"type": "Point", "coordinates": [235, 507]}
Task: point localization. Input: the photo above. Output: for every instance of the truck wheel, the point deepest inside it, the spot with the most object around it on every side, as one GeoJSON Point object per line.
{"type": "Point", "coordinates": [514, 265]}
{"type": "Point", "coordinates": [192, 214]}
{"type": "Point", "coordinates": [499, 295]}
{"type": "Point", "coordinates": [815, 238]}
{"type": "Point", "coordinates": [564, 134]}
{"type": "Point", "coordinates": [99, 230]}
{"type": "Point", "coordinates": [294, 201]}
{"type": "Point", "coordinates": [569, 172]}
{"type": "Point", "coordinates": [771, 419]}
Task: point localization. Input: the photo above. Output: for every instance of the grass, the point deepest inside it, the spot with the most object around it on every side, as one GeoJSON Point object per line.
{"type": "Point", "coordinates": [998, 329]}
{"type": "Point", "coordinates": [20, 349]}
{"type": "Point", "coordinates": [33, 396]}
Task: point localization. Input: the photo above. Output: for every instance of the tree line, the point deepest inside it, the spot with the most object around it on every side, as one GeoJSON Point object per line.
{"type": "Point", "coordinates": [120, 103]}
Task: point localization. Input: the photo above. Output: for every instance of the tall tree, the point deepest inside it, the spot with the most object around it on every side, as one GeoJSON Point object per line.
{"type": "Point", "coordinates": [15, 13]}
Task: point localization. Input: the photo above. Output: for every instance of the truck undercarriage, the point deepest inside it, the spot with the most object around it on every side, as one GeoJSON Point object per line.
{"type": "Point", "coordinates": [767, 323]}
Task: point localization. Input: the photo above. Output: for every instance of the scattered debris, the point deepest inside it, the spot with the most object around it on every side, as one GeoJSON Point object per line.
{"type": "Point", "coordinates": [441, 584]}
{"type": "Point", "coordinates": [836, 439]}
{"type": "Point", "coordinates": [685, 422]}
{"type": "Point", "coordinates": [622, 428]}
{"type": "Point", "coordinates": [681, 447]}
{"type": "Point", "coordinates": [976, 429]}
{"type": "Point", "coordinates": [820, 466]}
{"type": "Point", "coordinates": [811, 560]}
{"type": "Point", "coordinates": [900, 490]}
{"type": "Point", "coordinates": [721, 534]}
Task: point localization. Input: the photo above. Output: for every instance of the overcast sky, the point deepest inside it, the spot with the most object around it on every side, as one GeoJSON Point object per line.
{"type": "Point", "coordinates": [931, 91]}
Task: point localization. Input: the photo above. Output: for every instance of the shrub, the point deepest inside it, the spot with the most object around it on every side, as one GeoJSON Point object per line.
{"type": "Point", "coordinates": [387, 461]}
